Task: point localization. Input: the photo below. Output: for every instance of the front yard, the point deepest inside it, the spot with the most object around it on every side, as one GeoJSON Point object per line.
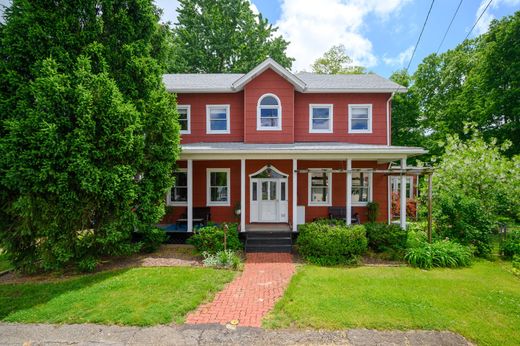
{"type": "Point", "coordinates": [137, 296]}
{"type": "Point", "coordinates": [481, 302]}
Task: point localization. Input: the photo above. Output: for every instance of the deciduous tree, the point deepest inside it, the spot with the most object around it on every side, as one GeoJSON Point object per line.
{"type": "Point", "coordinates": [336, 61]}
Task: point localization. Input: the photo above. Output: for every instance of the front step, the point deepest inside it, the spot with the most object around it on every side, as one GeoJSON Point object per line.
{"type": "Point", "coordinates": [268, 241]}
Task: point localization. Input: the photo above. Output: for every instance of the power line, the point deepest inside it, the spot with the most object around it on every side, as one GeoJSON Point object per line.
{"type": "Point", "coordinates": [473, 27]}
{"type": "Point", "coordinates": [449, 26]}
{"type": "Point", "coordinates": [420, 35]}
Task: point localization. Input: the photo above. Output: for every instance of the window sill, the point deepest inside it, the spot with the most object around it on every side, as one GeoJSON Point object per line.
{"type": "Point", "coordinates": [218, 132]}
{"type": "Point", "coordinates": [320, 131]}
{"type": "Point", "coordinates": [177, 204]}
{"type": "Point", "coordinates": [319, 204]}
{"type": "Point", "coordinates": [268, 129]}
{"type": "Point", "coordinates": [218, 204]}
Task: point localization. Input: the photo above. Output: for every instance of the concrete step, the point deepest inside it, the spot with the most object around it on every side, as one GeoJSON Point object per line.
{"type": "Point", "coordinates": [269, 241]}
{"type": "Point", "coordinates": [269, 248]}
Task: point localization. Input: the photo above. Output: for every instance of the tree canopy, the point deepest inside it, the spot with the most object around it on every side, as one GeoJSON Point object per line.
{"type": "Point", "coordinates": [336, 61]}
{"type": "Point", "coordinates": [88, 133]}
{"type": "Point", "coordinates": [213, 36]}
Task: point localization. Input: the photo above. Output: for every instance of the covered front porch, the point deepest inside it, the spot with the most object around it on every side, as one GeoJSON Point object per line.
{"type": "Point", "coordinates": [287, 184]}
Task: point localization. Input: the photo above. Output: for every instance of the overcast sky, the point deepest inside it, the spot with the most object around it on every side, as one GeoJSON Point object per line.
{"type": "Point", "coordinates": [378, 34]}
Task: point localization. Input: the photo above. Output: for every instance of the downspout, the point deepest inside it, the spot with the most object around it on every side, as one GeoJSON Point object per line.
{"type": "Point", "coordinates": [388, 133]}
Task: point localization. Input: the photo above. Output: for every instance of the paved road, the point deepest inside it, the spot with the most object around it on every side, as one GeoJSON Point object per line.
{"type": "Point", "coordinates": [90, 334]}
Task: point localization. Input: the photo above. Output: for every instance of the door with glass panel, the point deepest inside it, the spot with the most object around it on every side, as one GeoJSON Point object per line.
{"type": "Point", "coordinates": [269, 199]}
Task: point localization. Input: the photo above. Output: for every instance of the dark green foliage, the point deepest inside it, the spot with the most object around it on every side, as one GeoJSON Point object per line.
{"type": "Point", "coordinates": [83, 113]}
{"type": "Point", "coordinates": [439, 254]}
{"type": "Point", "coordinates": [223, 36]}
{"type": "Point", "coordinates": [510, 247]}
{"type": "Point", "coordinates": [210, 239]}
{"type": "Point", "coordinates": [323, 244]}
{"type": "Point", "coordinates": [383, 237]}
{"type": "Point", "coordinates": [372, 211]}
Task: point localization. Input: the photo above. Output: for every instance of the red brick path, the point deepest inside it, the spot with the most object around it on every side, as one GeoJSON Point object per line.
{"type": "Point", "coordinates": [251, 295]}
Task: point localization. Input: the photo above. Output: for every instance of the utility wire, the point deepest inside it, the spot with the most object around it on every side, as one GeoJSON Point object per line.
{"type": "Point", "coordinates": [449, 26]}
{"type": "Point", "coordinates": [478, 19]}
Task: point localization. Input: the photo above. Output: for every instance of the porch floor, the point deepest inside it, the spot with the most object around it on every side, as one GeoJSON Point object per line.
{"type": "Point", "coordinates": [268, 227]}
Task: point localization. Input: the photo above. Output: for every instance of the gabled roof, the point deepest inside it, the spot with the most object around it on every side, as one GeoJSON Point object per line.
{"type": "Point", "coordinates": [304, 82]}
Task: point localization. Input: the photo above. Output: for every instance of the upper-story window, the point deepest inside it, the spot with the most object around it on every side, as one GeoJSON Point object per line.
{"type": "Point", "coordinates": [320, 118]}
{"type": "Point", "coordinates": [217, 119]}
{"type": "Point", "coordinates": [360, 118]}
{"type": "Point", "coordinates": [269, 113]}
{"type": "Point", "coordinates": [184, 118]}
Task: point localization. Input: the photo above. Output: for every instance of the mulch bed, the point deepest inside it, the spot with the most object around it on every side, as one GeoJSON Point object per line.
{"type": "Point", "coordinates": [169, 255]}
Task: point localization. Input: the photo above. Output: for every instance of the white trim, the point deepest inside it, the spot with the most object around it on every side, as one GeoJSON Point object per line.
{"type": "Point", "coordinates": [388, 125]}
{"type": "Point", "coordinates": [370, 190]}
{"type": "Point", "coordinates": [331, 117]}
{"type": "Point", "coordinates": [295, 195]}
{"type": "Point", "coordinates": [310, 202]}
{"type": "Point", "coordinates": [188, 108]}
{"type": "Point", "coordinates": [271, 167]}
{"type": "Point", "coordinates": [389, 200]}
{"type": "Point", "coordinates": [276, 67]}
{"type": "Point", "coordinates": [208, 187]}
{"type": "Point", "coordinates": [208, 122]}
{"type": "Point", "coordinates": [259, 126]}
{"type": "Point", "coordinates": [168, 194]}
{"type": "Point", "coordinates": [242, 195]}
{"type": "Point", "coordinates": [369, 106]}
{"type": "Point", "coordinates": [349, 191]}
{"type": "Point", "coordinates": [190, 196]}
{"type": "Point", "coordinates": [403, 196]}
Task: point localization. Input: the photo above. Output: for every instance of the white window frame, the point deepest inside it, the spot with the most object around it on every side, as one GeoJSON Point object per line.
{"type": "Point", "coordinates": [208, 119]}
{"type": "Point", "coordinates": [331, 118]}
{"type": "Point", "coordinates": [208, 186]}
{"type": "Point", "coordinates": [395, 179]}
{"type": "Point", "coordinates": [370, 189]}
{"type": "Point", "coordinates": [350, 107]}
{"type": "Point", "coordinates": [188, 109]}
{"type": "Point", "coordinates": [168, 195]}
{"type": "Point", "coordinates": [310, 202]}
{"type": "Point", "coordinates": [259, 126]}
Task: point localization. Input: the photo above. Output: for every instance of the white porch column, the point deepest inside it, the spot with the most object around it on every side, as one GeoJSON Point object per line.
{"type": "Point", "coordinates": [349, 192]}
{"type": "Point", "coordinates": [403, 195]}
{"type": "Point", "coordinates": [190, 196]}
{"type": "Point", "coordinates": [242, 195]}
{"type": "Point", "coordinates": [295, 194]}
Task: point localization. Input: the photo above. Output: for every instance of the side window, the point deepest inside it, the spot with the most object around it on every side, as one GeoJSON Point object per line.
{"type": "Point", "coordinates": [320, 118]}
{"type": "Point", "coordinates": [184, 118]}
{"type": "Point", "coordinates": [360, 118]}
{"type": "Point", "coordinates": [320, 188]}
{"type": "Point", "coordinates": [178, 194]}
{"type": "Point", "coordinates": [269, 113]}
{"type": "Point", "coordinates": [218, 186]}
{"type": "Point", "coordinates": [217, 119]}
{"type": "Point", "coordinates": [361, 188]}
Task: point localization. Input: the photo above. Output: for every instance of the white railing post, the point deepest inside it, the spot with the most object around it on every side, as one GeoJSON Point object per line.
{"type": "Point", "coordinates": [295, 195]}
{"type": "Point", "coordinates": [403, 194]}
{"type": "Point", "coordinates": [349, 192]}
{"type": "Point", "coordinates": [242, 195]}
{"type": "Point", "coordinates": [190, 196]}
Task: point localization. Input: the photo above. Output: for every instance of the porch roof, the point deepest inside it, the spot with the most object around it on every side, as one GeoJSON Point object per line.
{"type": "Point", "coordinates": [307, 150]}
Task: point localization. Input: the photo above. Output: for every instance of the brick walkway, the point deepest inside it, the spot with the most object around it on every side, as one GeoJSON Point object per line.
{"type": "Point", "coordinates": [251, 295]}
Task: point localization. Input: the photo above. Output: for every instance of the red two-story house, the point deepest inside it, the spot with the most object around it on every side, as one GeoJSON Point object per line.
{"type": "Point", "coordinates": [273, 147]}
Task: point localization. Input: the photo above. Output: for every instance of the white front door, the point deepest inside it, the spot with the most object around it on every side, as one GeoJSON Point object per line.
{"type": "Point", "coordinates": [269, 200]}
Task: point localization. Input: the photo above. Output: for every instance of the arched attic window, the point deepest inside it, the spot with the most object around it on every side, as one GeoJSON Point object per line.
{"type": "Point", "coordinates": [269, 113]}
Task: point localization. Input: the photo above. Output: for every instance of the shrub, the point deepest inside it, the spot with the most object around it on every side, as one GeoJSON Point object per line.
{"type": "Point", "coordinates": [372, 211]}
{"type": "Point", "coordinates": [210, 239]}
{"type": "Point", "coordinates": [443, 253]}
{"type": "Point", "coordinates": [384, 237]}
{"type": "Point", "coordinates": [222, 259]}
{"type": "Point", "coordinates": [415, 238]}
{"type": "Point", "coordinates": [323, 244]}
{"type": "Point", "coordinates": [511, 245]}
{"type": "Point", "coordinates": [516, 264]}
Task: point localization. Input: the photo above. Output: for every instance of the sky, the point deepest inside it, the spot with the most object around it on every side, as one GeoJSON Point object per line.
{"type": "Point", "coordinates": [378, 34]}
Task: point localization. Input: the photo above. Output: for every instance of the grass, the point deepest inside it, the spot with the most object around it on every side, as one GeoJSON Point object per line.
{"type": "Point", "coordinates": [4, 263]}
{"type": "Point", "coordinates": [482, 302]}
{"type": "Point", "coordinates": [139, 296]}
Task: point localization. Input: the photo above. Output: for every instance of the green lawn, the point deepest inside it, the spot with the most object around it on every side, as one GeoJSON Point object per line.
{"type": "Point", "coordinates": [139, 296]}
{"type": "Point", "coordinates": [4, 264]}
{"type": "Point", "coordinates": [482, 302]}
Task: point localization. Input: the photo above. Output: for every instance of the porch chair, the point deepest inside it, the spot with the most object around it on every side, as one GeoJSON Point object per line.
{"type": "Point", "coordinates": [340, 213]}
{"type": "Point", "coordinates": [201, 216]}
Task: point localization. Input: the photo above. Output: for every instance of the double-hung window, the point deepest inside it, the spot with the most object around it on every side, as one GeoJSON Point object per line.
{"type": "Point", "coordinates": [320, 188]}
{"type": "Point", "coordinates": [184, 118]}
{"type": "Point", "coordinates": [320, 118]}
{"type": "Point", "coordinates": [218, 186]}
{"type": "Point", "coordinates": [360, 118]}
{"type": "Point", "coordinates": [217, 119]}
{"type": "Point", "coordinates": [269, 113]}
{"type": "Point", "coordinates": [361, 188]}
{"type": "Point", "coordinates": [178, 194]}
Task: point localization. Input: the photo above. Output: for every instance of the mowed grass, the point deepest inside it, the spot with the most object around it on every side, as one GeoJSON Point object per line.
{"type": "Point", "coordinates": [139, 296]}
{"type": "Point", "coordinates": [481, 303]}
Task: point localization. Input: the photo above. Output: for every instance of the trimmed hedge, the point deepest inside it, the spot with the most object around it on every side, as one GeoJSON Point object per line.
{"type": "Point", "coordinates": [324, 244]}
{"type": "Point", "coordinates": [210, 239]}
{"type": "Point", "coordinates": [383, 237]}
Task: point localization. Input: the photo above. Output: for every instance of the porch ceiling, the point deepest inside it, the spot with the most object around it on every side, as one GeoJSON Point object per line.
{"type": "Point", "coordinates": [309, 151]}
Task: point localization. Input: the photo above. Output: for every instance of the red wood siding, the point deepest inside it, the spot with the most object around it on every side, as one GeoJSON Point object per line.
{"type": "Point", "coordinates": [340, 104]}
{"type": "Point", "coordinates": [198, 104]}
{"type": "Point", "coordinates": [269, 82]}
